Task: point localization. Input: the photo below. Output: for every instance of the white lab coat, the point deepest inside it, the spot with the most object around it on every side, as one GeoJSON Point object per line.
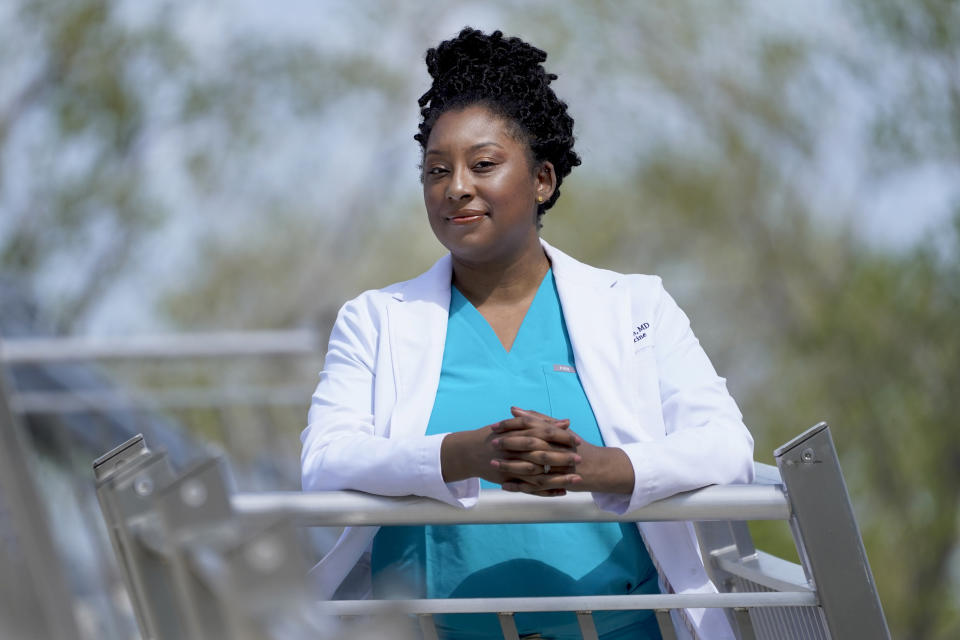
{"type": "Point", "coordinates": [652, 388]}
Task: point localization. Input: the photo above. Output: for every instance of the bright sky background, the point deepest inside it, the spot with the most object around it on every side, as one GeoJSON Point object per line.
{"type": "Point", "coordinates": [896, 214]}
{"type": "Point", "coordinates": [893, 214]}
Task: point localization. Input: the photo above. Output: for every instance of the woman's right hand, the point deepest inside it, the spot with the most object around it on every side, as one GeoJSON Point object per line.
{"type": "Point", "coordinates": [515, 451]}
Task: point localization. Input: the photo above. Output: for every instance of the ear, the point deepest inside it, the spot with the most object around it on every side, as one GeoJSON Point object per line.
{"type": "Point", "coordinates": [546, 180]}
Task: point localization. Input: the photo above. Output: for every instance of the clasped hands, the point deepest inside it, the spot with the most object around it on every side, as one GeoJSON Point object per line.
{"type": "Point", "coordinates": [534, 453]}
{"type": "Point", "coordinates": [537, 454]}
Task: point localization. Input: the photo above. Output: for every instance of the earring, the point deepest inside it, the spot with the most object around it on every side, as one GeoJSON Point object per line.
{"type": "Point", "coordinates": [539, 199]}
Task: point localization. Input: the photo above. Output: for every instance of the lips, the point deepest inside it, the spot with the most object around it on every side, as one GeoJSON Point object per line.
{"type": "Point", "coordinates": [466, 216]}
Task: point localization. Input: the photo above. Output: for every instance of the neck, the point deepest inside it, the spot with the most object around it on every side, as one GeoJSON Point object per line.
{"type": "Point", "coordinates": [501, 282]}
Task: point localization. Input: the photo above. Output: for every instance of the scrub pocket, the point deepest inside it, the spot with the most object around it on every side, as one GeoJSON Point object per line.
{"type": "Point", "coordinates": [569, 401]}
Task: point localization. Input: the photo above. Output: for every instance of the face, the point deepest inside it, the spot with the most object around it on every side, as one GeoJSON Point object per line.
{"type": "Point", "coordinates": [480, 187]}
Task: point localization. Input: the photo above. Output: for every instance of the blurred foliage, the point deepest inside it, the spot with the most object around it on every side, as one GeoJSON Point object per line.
{"type": "Point", "coordinates": [881, 352]}
{"type": "Point", "coordinates": [101, 96]}
{"type": "Point", "coordinates": [702, 130]}
{"type": "Point", "coordinates": [71, 64]}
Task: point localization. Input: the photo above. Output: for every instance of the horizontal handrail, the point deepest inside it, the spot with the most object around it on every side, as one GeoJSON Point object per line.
{"type": "Point", "coordinates": [571, 603]}
{"type": "Point", "coordinates": [352, 508]}
{"type": "Point", "coordinates": [81, 401]}
{"type": "Point", "coordinates": [197, 345]}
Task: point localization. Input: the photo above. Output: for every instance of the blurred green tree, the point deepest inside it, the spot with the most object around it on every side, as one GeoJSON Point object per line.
{"type": "Point", "coordinates": [114, 116]}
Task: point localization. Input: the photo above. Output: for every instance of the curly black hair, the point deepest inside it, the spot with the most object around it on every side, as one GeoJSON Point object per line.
{"type": "Point", "coordinates": [507, 76]}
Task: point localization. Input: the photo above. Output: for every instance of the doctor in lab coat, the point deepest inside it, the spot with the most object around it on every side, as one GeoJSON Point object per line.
{"type": "Point", "coordinates": [667, 421]}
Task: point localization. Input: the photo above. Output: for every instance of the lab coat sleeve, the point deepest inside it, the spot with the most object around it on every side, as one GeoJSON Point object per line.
{"type": "Point", "coordinates": [340, 447]}
{"type": "Point", "coordinates": [705, 440]}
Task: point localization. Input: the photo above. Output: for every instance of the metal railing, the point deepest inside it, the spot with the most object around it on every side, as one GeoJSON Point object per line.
{"type": "Point", "coordinates": [352, 509]}
{"type": "Point", "coordinates": [200, 562]}
{"type": "Point", "coordinates": [177, 347]}
{"type": "Point", "coordinates": [167, 347]}
{"type": "Point", "coordinates": [34, 570]}
{"type": "Point", "coordinates": [62, 396]}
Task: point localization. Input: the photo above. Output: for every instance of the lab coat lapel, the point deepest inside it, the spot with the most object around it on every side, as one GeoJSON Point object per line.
{"type": "Point", "coordinates": [597, 314]}
{"type": "Point", "coordinates": [417, 332]}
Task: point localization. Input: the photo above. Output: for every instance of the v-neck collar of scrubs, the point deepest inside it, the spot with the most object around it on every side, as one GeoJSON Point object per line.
{"type": "Point", "coordinates": [535, 320]}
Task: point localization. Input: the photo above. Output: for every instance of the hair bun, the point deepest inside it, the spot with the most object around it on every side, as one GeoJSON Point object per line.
{"type": "Point", "coordinates": [472, 50]}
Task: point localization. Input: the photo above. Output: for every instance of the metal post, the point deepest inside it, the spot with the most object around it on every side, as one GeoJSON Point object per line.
{"type": "Point", "coordinates": [41, 559]}
{"type": "Point", "coordinates": [588, 630]}
{"type": "Point", "coordinates": [665, 622]}
{"type": "Point", "coordinates": [730, 540]}
{"type": "Point", "coordinates": [127, 479]}
{"type": "Point", "coordinates": [744, 623]}
{"type": "Point", "coordinates": [192, 571]}
{"type": "Point", "coordinates": [823, 519]}
{"type": "Point", "coordinates": [427, 627]}
{"type": "Point", "coordinates": [508, 625]}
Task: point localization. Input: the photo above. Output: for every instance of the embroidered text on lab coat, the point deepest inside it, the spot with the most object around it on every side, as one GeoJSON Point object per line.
{"type": "Point", "coordinates": [640, 332]}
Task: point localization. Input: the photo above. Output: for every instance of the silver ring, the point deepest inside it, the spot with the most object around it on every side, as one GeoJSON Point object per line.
{"type": "Point", "coordinates": [546, 469]}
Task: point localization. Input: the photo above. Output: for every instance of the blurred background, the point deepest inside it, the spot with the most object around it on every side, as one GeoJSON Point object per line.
{"type": "Point", "coordinates": [224, 174]}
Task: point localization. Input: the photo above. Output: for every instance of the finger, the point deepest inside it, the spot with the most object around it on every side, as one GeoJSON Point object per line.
{"type": "Point", "coordinates": [561, 433]}
{"type": "Point", "coordinates": [548, 433]}
{"type": "Point", "coordinates": [518, 412]}
{"type": "Point", "coordinates": [551, 481]}
{"type": "Point", "coordinates": [537, 418]}
{"type": "Point", "coordinates": [558, 434]}
{"type": "Point", "coordinates": [536, 484]}
{"type": "Point", "coordinates": [525, 421]}
{"type": "Point", "coordinates": [529, 443]}
{"type": "Point", "coordinates": [550, 439]}
{"type": "Point", "coordinates": [508, 424]}
{"type": "Point", "coordinates": [541, 469]}
{"type": "Point", "coordinates": [562, 470]}
{"type": "Point", "coordinates": [554, 430]}
{"type": "Point", "coordinates": [525, 487]}
{"type": "Point", "coordinates": [518, 467]}
{"type": "Point", "coordinates": [544, 482]}
{"type": "Point", "coordinates": [520, 443]}
{"type": "Point", "coordinates": [556, 459]}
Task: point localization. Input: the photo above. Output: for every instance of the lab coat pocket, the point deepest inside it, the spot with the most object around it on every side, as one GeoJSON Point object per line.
{"type": "Point", "coordinates": [644, 360]}
{"type": "Point", "coordinates": [645, 353]}
{"type": "Point", "coordinates": [646, 383]}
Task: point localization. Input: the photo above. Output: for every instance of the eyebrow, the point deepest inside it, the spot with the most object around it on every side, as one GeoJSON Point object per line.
{"type": "Point", "coordinates": [479, 145]}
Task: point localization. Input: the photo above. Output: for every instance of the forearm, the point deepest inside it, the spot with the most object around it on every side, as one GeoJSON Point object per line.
{"type": "Point", "coordinates": [367, 463]}
{"type": "Point", "coordinates": [604, 470]}
{"type": "Point", "coordinates": [691, 458]}
{"type": "Point", "coordinates": [462, 455]}
{"type": "Point", "coordinates": [372, 464]}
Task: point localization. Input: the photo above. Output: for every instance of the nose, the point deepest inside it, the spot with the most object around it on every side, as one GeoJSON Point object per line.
{"type": "Point", "coordinates": [460, 185]}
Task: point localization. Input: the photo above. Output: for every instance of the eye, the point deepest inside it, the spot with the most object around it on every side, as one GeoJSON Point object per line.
{"type": "Point", "coordinates": [436, 171]}
{"type": "Point", "coordinates": [484, 164]}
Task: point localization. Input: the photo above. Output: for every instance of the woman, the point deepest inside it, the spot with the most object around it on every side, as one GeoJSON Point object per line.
{"type": "Point", "coordinates": [511, 364]}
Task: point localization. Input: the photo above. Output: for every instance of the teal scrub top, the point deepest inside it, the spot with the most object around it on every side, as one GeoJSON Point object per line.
{"type": "Point", "coordinates": [479, 382]}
